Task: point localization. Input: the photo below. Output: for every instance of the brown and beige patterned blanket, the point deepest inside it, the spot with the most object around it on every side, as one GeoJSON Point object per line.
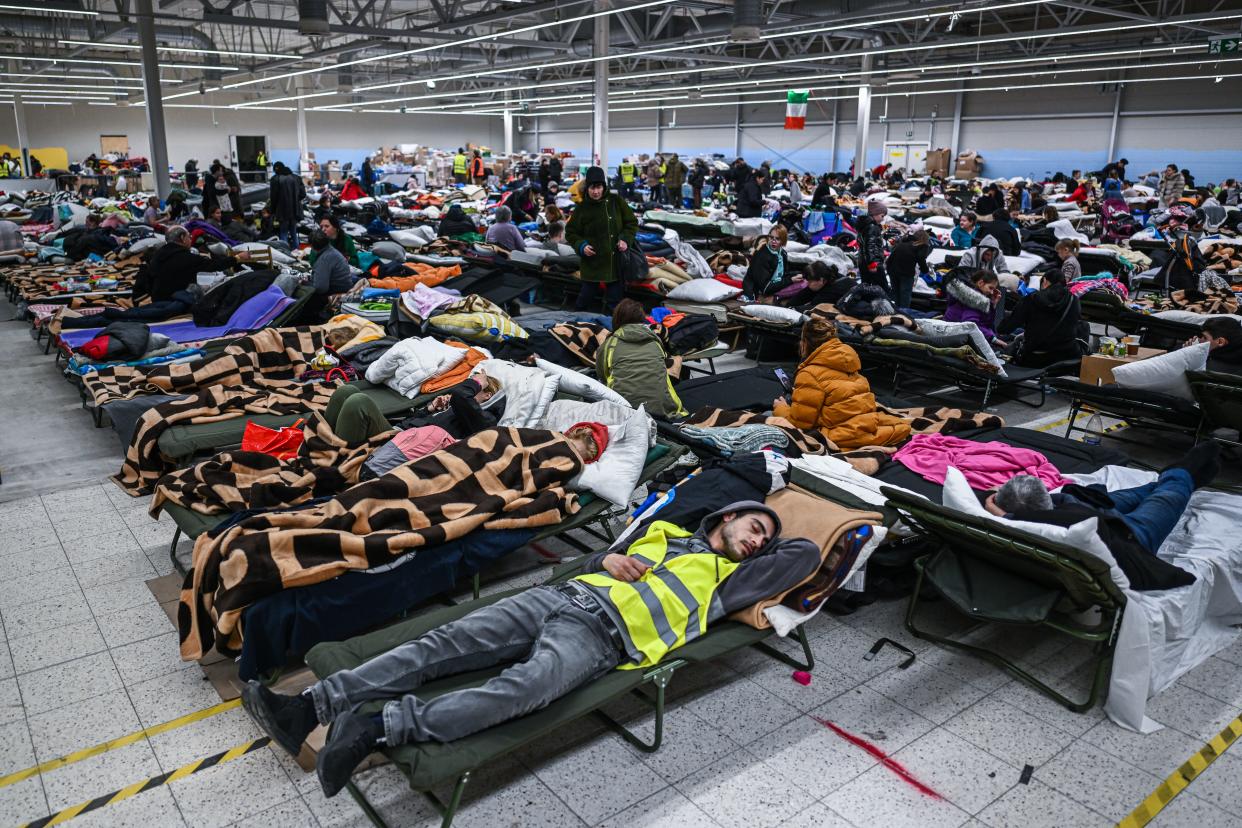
{"type": "Point", "coordinates": [504, 478]}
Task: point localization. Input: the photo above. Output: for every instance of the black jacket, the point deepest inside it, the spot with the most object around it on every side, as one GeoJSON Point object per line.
{"type": "Point", "coordinates": [823, 197]}
{"type": "Point", "coordinates": [218, 304]}
{"type": "Point", "coordinates": [465, 416]}
{"type": "Point", "coordinates": [286, 194]}
{"type": "Point", "coordinates": [455, 222]}
{"type": "Point", "coordinates": [759, 279]}
{"type": "Point", "coordinates": [908, 259]}
{"type": "Point", "coordinates": [1226, 359]}
{"type": "Point", "coordinates": [871, 267]}
{"type": "Point", "coordinates": [175, 268]}
{"type": "Point", "coordinates": [1005, 235]}
{"type": "Point", "coordinates": [1050, 319]}
{"type": "Point", "coordinates": [749, 199]}
{"type": "Point", "coordinates": [831, 293]}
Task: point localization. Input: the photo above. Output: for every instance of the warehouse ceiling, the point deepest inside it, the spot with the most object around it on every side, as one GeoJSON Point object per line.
{"type": "Point", "coordinates": [538, 57]}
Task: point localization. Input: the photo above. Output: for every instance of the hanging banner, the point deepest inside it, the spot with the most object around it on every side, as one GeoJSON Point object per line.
{"type": "Point", "coordinates": [795, 110]}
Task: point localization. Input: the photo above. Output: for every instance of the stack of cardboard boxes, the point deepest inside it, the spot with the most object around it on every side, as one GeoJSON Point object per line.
{"type": "Point", "coordinates": [938, 162]}
{"type": "Point", "coordinates": [969, 165]}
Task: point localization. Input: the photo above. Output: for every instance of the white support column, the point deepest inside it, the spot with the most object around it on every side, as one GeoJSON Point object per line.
{"type": "Point", "coordinates": [862, 128]}
{"type": "Point", "coordinates": [1112, 133]}
{"type": "Point", "coordinates": [737, 131]}
{"type": "Point", "coordinates": [508, 119]}
{"type": "Point", "coordinates": [599, 121]}
{"type": "Point", "coordinates": [832, 157]}
{"type": "Point", "coordinates": [154, 97]}
{"type": "Point", "coordinates": [303, 141]}
{"type": "Point", "coordinates": [958, 100]}
{"type": "Point", "coordinates": [23, 147]}
{"type": "Point", "coordinates": [659, 146]}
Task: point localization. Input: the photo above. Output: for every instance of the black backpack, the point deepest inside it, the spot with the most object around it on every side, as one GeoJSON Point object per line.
{"type": "Point", "coordinates": [691, 332]}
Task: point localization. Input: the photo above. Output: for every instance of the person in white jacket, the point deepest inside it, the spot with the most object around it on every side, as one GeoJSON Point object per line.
{"type": "Point", "coordinates": [411, 362]}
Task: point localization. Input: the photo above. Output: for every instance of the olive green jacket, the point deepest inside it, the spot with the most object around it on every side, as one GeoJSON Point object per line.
{"type": "Point", "coordinates": [600, 224]}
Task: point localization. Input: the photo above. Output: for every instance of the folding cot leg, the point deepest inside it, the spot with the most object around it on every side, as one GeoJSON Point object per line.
{"type": "Point", "coordinates": [808, 662]}
{"type": "Point", "coordinates": [474, 583]}
{"type": "Point", "coordinates": [660, 677]}
{"type": "Point", "coordinates": [987, 393]}
{"type": "Point", "coordinates": [1074, 409]}
{"type": "Point", "coordinates": [172, 551]}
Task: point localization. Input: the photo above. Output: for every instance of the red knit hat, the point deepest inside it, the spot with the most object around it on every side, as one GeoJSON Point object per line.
{"type": "Point", "coordinates": [599, 432]}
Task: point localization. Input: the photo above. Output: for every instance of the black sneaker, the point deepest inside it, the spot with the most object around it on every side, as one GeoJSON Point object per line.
{"type": "Point", "coordinates": [351, 739]}
{"type": "Point", "coordinates": [288, 720]}
{"type": "Point", "coordinates": [1202, 462]}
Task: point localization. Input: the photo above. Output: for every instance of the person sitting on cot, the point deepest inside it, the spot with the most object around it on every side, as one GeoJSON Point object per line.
{"type": "Point", "coordinates": [824, 285]}
{"type": "Point", "coordinates": [1133, 523]}
{"type": "Point", "coordinates": [552, 639]}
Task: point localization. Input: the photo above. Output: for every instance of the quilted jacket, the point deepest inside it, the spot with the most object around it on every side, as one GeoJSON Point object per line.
{"type": "Point", "coordinates": [411, 362]}
{"type": "Point", "coordinates": [831, 395]}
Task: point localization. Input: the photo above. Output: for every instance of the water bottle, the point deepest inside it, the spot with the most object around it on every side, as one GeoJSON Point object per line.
{"type": "Point", "coordinates": [1095, 430]}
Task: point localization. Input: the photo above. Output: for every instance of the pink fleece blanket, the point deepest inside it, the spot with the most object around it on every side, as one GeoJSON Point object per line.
{"type": "Point", "coordinates": [986, 466]}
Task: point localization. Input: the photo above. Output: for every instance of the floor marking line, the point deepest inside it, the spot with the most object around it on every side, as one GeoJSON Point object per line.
{"type": "Point", "coordinates": [1181, 778]}
{"type": "Point", "coordinates": [119, 742]}
{"type": "Point", "coordinates": [98, 802]}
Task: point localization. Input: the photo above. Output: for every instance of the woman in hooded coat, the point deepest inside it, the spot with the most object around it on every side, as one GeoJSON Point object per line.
{"type": "Point", "coordinates": [600, 228]}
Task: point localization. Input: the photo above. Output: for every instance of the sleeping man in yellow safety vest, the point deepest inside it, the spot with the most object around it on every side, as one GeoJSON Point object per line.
{"type": "Point", "coordinates": [629, 611]}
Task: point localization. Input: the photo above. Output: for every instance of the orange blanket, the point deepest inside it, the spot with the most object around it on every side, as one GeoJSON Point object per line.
{"type": "Point", "coordinates": [420, 274]}
{"type": "Point", "coordinates": [458, 373]}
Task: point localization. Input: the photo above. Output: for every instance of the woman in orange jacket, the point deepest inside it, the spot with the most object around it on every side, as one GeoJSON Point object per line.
{"type": "Point", "coordinates": [832, 396]}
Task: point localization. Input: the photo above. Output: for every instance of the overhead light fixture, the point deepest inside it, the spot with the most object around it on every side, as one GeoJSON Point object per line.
{"type": "Point", "coordinates": [431, 84]}
{"type": "Point", "coordinates": [953, 18]}
{"type": "Point", "coordinates": [188, 50]}
{"type": "Point", "coordinates": [99, 62]}
{"type": "Point", "coordinates": [50, 10]}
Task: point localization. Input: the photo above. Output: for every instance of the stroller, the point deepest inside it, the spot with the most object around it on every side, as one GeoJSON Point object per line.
{"type": "Point", "coordinates": [1119, 224]}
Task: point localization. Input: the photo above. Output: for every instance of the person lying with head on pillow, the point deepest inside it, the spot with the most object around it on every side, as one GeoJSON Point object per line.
{"type": "Point", "coordinates": [551, 639]}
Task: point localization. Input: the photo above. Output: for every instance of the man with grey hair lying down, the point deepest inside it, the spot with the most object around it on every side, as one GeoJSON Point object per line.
{"type": "Point", "coordinates": [1133, 523]}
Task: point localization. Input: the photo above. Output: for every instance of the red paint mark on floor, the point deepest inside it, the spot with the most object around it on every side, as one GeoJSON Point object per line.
{"type": "Point", "coordinates": [878, 752]}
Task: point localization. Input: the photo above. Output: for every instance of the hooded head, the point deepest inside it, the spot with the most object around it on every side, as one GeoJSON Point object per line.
{"type": "Point", "coordinates": [741, 529]}
{"type": "Point", "coordinates": [595, 177]}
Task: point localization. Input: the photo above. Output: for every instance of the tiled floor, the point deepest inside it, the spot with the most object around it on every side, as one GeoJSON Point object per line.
{"type": "Point", "coordinates": [86, 655]}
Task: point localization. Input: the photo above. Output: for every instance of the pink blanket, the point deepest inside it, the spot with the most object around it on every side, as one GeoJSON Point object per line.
{"type": "Point", "coordinates": [986, 466]}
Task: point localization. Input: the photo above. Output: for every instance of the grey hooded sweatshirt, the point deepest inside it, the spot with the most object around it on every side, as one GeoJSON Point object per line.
{"type": "Point", "coordinates": [973, 258]}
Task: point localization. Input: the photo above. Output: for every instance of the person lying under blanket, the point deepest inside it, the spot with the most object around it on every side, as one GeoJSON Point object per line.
{"type": "Point", "coordinates": [629, 611]}
{"type": "Point", "coordinates": [1133, 523]}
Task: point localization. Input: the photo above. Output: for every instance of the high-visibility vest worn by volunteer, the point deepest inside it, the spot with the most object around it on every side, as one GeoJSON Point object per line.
{"type": "Point", "coordinates": [671, 604]}
{"type": "Point", "coordinates": [459, 164]}
{"type": "Point", "coordinates": [628, 171]}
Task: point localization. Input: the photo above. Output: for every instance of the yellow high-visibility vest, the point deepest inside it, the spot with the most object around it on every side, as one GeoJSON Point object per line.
{"type": "Point", "coordinates": [459, 164]}
{"type": "Point", "coordinates": [628, 171]}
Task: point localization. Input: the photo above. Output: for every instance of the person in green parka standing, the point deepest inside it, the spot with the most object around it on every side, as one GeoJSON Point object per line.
{"type": "Point", "coordinates": [600, 227]}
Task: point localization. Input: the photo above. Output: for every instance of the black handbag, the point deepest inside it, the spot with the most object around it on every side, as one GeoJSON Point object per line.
{"type": "Point", "coordinates": [631, 264]}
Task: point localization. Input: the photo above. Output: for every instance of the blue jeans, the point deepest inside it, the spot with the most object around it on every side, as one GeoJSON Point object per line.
{"type": "Point", "coordinates": [1152, 510]}
{"type": "Point", "coordinates": [289, 234]}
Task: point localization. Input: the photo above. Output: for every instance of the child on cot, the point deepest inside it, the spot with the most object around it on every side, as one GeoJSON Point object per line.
{"type": "Point", "coordinates": [550, 639]}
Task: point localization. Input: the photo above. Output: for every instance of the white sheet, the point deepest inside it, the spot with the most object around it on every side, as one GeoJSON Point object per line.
{"type": "Point", "coordinates": [1165, 634]}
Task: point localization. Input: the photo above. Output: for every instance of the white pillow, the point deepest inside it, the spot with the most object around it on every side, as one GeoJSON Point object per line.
{"type": "Point", "coordinates": [703, 290]}
{"type": "Point", "coordinates": [528, 391]}
{"type": "Point", "coordinates": [578, 384]}
{"type": "Point", "coordinates": [258, 247]}
{"type": "Point", "coordinates": [407, 238]}
{"type": "Point", "coordinates": [775, 313]}
{"type": "Point", "coordinates": [146, 244]}
{"type": "Point", "coordinates": [630, 433]}
{"type": "Point", "coordinates": [959, 496]}
{"type": "Point", "coordinates": [1165, 373]}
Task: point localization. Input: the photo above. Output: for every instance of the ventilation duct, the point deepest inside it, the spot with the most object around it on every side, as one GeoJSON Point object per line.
{"type": "Point", "coordinates": [747, 18]}
{"type": "Point", "coordinates": [313, 17]}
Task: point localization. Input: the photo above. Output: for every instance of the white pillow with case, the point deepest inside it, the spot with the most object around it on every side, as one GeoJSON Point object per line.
{"type": "Point", "coordinates": [615, 475]}
{"type": "Point", "coordinates": [775, 313]}
{"type": "Point", "coordinates": [1165, 373]}
{"type": "Point", "coordinates": [703, 290]}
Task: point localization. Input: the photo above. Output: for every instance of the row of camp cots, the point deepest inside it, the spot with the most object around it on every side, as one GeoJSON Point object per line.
{"type": "Point", "coordinates": [205, 394]}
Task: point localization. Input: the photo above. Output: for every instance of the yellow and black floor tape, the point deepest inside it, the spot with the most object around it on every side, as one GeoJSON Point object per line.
{"type": "Point", "coordinates": [1183, 776]}
{"type": "Point", "coordinates": [119, 742]}
{"type": "Point", "coordinates": [147, 784]}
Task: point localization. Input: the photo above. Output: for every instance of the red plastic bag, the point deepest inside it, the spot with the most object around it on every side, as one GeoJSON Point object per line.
{"type": "Point", "coordinates": [281, 443]}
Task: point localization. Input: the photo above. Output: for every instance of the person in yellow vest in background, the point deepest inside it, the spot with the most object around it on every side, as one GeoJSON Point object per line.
{"type": "Point", "coordinates": [629, 611]}
{"type": "Point", "coordinates": [627, 172]}
{"type": "Point", "coordinates": [260, 161]}
{"type": "Point", "coordinates": [459, 166]}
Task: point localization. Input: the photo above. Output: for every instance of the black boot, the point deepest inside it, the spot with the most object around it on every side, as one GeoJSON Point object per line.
{"type": "Point", "coordinates": [1202, 462]}
{"type": "Point", "coordinates": [351, 739]}
{"type": "Point", "coordinates": [288, 720]}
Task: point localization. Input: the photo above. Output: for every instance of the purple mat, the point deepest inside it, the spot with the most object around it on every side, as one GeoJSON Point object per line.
{"type": "Point", "coordinates": [254, 313]}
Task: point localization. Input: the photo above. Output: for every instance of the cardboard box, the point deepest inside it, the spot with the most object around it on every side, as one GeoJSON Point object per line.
{"type": "Point", "coordinates": [1097, 369]}
{"type": "Point", "coordinates": [969, 164]}
{"type": "Point", "coordinates": [938, 163]}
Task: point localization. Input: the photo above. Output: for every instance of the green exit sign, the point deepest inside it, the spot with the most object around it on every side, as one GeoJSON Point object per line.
{"type": "Point", "coordinates": [1223, 45]}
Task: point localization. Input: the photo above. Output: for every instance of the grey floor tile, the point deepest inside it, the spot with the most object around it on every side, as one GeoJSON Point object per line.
{"type": "Point", "coordinates": [78, 529]}
{"type": "Point", "coordinates": [23, 802]}
{"type": "Point", "coordinates": [599, 778]}
{"type": "Point", "coordinates": [16, 750]}
{"type": "Point", "coordinates": [153, 536]}
{"type": "Point", "coordinates": [668, 808]}
{"type": "Point", "coordinates": [967, 776]}
{"type": "Point", "coordinates": [149, 658]}
{"type": "Point", "coordinates": [155, 808]}
{"type": "Point", "coordinates": [1028, 699]}
{"type": "Point", "coordinates": [1217, 678]}
{"type": "Point", "coordinates": [689, 744]}
{"type": "Point", "coordinates": [818, 815]}
{"type": "Point", "coordinates": [887, 619]}
{"type": "Point", "coordinates": [100, 545]}
{"type": "Point", "coordinates": [764, 711]}
{"type": "Point", "coordinates": [130, 565]}
{"type": "Point", "coordinates": [44, 649]}
{"type": "Point", "coordinates": [233, 791]}
{"type": "Point", "coordinates": [1190, 711]}
{"type": "Point", "coordinates": [1161, 752]}
{"type": "Point", "coordinates": [388, 793]}
{"type": "Point", "coordinates": [741, 790]}
{"type": "Point", "coordinates": [109, 598]}
{"type": "Point", "coordinates": [293, 813]}
{"type": "Point", "coordinates": [826, 684]}
{"type": "Point", "coordinates": [172, 695]}
{"type": "Point", "coordinates": [501, 790]}
{"type": "Point", "coordinates": [32, 560]}
{"type": "Point", "coordinates": [99, 775]}
{"type": "Point", "coordinates": [873, 716]}
{"type": "Point", "coordinates": [1038, 806]}
{"type": "Point", "coordinates": [1009, 733]}
{"type": "Point", "coordinates": [204, 738]}
{"type": "Point", "coordinates": [7, 670]}
{"type": "Point", "coordinates": [83, 724]}
{"type": "Point", "coordinates": [936, 695]}
{"type": "Point", "coordinates": [966, 667]}
{"type": "Point", "coordinates": [67, 683]}
{"type": "Point", "coordinates": [342, 812]}
{"type": "Point", "coordinates": [85, 500]}
{"type": "Point", "coordinates": [842, 649]}
{"type": "Point", "coordinates": [27, 537]}
{"type": "Point", "coordinates": [16, 592]}
{"type": "Point", "coordinates": [11, 708]}
{"type": "Point", "coordinates": [1219, 784]}
{"type": "Point", "coordinates": [811, 757]}
{"type": "Point", "coordinates": [135, 624]}
{"type": "Point", "coordinates": [1097, 780]}
{"type": "Point", "coordinates": [61, 610]}
{"type": "Point", "coordinates": [1186, 810]}
{"type": "Point", "coordinates": [880, 797]}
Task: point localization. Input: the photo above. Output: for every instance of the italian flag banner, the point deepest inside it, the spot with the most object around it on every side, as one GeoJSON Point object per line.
{"type": "Point", "coordinates": [795, 110]}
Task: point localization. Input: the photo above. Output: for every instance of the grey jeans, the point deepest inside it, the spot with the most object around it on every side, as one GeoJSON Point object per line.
{"type": "Point", "coordinates": [551, 646]}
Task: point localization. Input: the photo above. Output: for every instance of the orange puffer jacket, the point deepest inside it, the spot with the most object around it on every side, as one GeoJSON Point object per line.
{"type": "Point", "coordinates": [831, 395]}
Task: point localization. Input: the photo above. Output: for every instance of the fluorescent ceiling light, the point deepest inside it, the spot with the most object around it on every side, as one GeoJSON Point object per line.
{"type": "Point", "coordinates": [34, 87]}
{"type": "Point", "coordinates": [50, 10]}
{"type": "Point", "coordinates": [78, 77]}
{"type": "Point", "coordinates": [117, 62]}
{"type": "Point", "coordinates": [865, 24]}
{"type": "Point", "coordinates": [456, 43]}
{"type": "Point", "coordinates": [137, 47]}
